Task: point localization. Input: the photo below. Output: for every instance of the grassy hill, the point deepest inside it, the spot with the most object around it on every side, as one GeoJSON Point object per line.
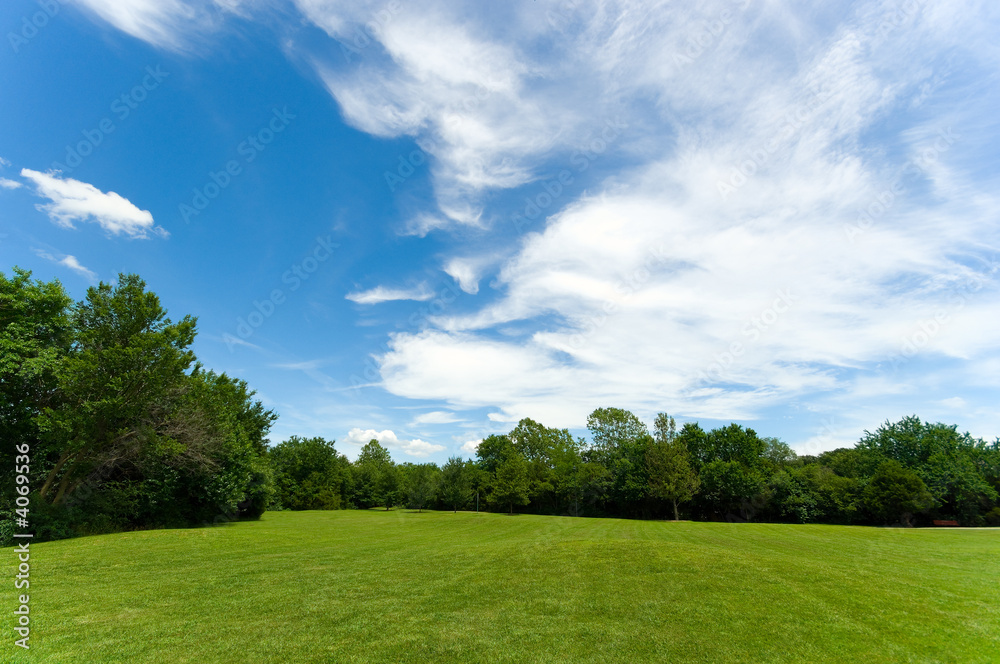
{"type": "Point", "coordinates": [398, 586]}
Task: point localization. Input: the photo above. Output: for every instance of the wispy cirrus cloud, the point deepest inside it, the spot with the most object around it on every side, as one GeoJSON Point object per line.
{"type": "Point", "coordinates": [381, 294]}
{"type": "Point", "coordinates": [73, 200]}
{"type": "Point", "coordinates": [70, 262]}
{"type": "Point", "coordinates": [797, 191]}
{"type": "Point", "coordinates": [172, 24]}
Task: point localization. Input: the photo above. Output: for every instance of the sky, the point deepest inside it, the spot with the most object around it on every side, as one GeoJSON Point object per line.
{"type": "Point", "coordinates": [422, 222]}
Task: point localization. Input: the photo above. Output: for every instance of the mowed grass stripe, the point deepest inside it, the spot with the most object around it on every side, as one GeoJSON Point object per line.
{"type": "Point", "coordinates": [400, 586]}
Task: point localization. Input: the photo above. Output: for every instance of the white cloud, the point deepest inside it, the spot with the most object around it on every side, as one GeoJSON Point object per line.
{"type": "Point", "coordinates": [635, 295]}
{"type": "Point", "coordinates": [436, 417]}
{"type": "Point", "coordinates": [471, 446]}
{"type": "Point", "coordinates": [9, 184]}
{"type": "Point", "coordinates": [389, 440]}
{"type": "Point", "coordinates": [728, 268]}
{"type": "Point", "coordinates": [381, 294]}
{"type": "Point", "coordinates": [171, 24]}
{"type": "Point", "coordinates": [4, 162]}
{"type": "Point", "coordinates": [73, 200]}
{"type": "Point", "coordinates": [72, 263]}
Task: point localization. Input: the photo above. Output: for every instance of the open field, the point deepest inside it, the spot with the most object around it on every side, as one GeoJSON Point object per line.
{"type": "Point", "coordinates": [376, 586]}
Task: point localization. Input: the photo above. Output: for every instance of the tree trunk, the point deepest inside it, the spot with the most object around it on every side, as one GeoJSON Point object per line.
{"type": "Point", "coordinates": [52, 474]}
{"type": "Point", "coordinates": [676, 517]}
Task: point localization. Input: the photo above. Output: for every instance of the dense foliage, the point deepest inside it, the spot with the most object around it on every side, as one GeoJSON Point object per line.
{"type": "Point", "coordinates": [122, 427]}
{"type": "Point", "coordinates": [906, 473]}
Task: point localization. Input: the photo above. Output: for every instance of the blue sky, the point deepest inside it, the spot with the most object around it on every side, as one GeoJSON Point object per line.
{"type": "Point", "coordinates": [422, 222]}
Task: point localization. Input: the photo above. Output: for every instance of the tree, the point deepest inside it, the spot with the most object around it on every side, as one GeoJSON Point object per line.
{"type": "Point", "coordinates": [669, 469]}
{"type": "Point", "coordinates": [777, 453]}
{"type": "Point", "coordinates": [510, 484]}
{"type": "Point", "coordinates": [456, 485]}
{"type": "Point", "coordinates": [620, 442]}
{"type": "Point", "coordinates": [734, 443]}
{"type": "Point", "coordinates": [309, 474]}
{"type": "Point", "coordinates": [125, 427]}
{"type": "Point", "coordinates": [695, 440]}
{"type": "Point", "coordinates": [895, 493]}
{"type": "Point", "coordinates": [422, 482]}
{"type": "Point", "coordinates": [378, 480]}
{"type": "Point", "coordinates": [128, 362]}
{"type": "Point", "coordinates": [491, 451]}
{"type": "Point", "coordinates": [664, 428]}
{"type": "Point", "coordinates": [729, 486]}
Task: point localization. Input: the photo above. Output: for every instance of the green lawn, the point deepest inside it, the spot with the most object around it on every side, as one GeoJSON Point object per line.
{"type": "Point", "coordinates": [376, 586]}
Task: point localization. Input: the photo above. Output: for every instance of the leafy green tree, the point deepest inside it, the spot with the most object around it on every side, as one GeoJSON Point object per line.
{"type": "Point", "coordinates": [309, 474]}
{"type": "Point", "coordinates": [793, 498]}
{"type": "Point", "coordinates": [510, 485]}
{"type": "Point", "coordinates": [949, 463]}
{"type": "Point", "coordinates": [895, 493]}
{"type": "Point", "coordinates": [422, 484]}
{"type": "Point", "coordinates": [456, 483]}
{"type": "Point", "coordinates": [668, 466]}
{"type": "Point", "coordinates": [491, 451]}
{"type": "Point", "coordinates": [128, 360]}
{"type": "Point", "coordinates": [777, 453]}
{"type": "Point", "coordinates": [728, 487]}
{"type": "Point", "coordinates": [695, 439]}
{"type": "Point", "coordinates": [735, 443]}
{"type": "Point", "coordinates": [378, 481]}
{"type": "Point", "coordinates": [620, 443]}
{"type": "Point", "coordinates": [125, 432]}
{"type": "Point", "coordinates": [664, 428]}
{"type": "Point", "coordinates": [35, 337]}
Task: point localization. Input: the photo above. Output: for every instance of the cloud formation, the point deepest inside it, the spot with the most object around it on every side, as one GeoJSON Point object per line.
{"type": "Point", "coordinates": [389, 440]}
{"type": "Point", "coordinates": [72, 263]}
{"type": "Point", "coordinates": [796, 212]}
{"type": "Point", "coordinates": [381, 294]}
{"type": "Point", "coordinates": [73, 200]}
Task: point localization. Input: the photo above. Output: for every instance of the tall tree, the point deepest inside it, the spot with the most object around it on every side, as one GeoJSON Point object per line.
{"type": "Point", "coordinates": [668, 466]}
{"type": "Point", "coordinates": [127, 366]}
{"type": "Point", "coordinates": [510, 485]}
{"type": "Point", "coordinates": [620, 443]}
{"type": "Point", "coordinates": [895, 494]}
{"type": "Point", "coordinates": [378, 480]}
{"type": "Point", "coordinates": [456, 485]}
{"type": "Point", "coordinates": [309, 474]}
{"type": "Point", "coordinates": [422, 483]}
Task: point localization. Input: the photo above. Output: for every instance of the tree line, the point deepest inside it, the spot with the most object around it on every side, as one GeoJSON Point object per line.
{"type": "Point", "coordinates": [125, 429]}
{"type": "Point", "coordinates": [909, 473]}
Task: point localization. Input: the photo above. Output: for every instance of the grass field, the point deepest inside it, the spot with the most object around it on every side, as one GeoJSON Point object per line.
{"type": "Point", "coordinates": [400, 586]}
